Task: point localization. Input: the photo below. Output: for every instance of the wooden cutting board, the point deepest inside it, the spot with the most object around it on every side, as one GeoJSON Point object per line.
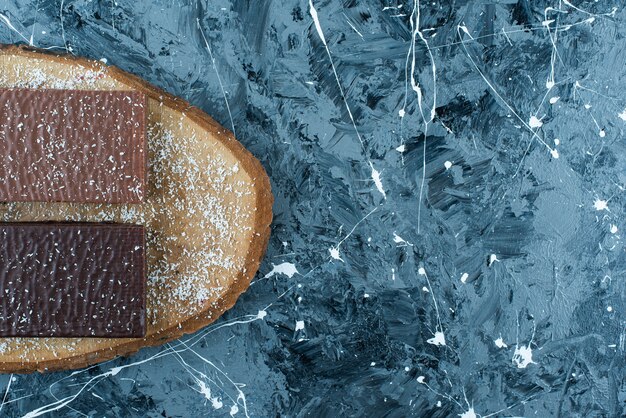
{"type": "Point", "coordinates": [208, 212]}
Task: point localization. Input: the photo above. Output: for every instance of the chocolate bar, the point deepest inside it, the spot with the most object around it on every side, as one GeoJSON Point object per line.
{"type": "Point", "coordinates": [72, 280]}
{"type": "Point", "coordinates": [72, 146]}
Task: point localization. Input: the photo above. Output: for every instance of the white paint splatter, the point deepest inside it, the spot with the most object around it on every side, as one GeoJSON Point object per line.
{"type": "Point", "coordinates": [6, 391]}
{"type": "Point", "coordinates": [554, 99]}
{"type": "Point", "coordinates": [609, 309]}
{"type": "Point", "coordinates": [299, 325]}
{"type": "Point", "coordinates": [401, 148]}
{"type": "Point", "coordinates": [469, 414]}
{"type": "Point", "coordinates": [557, 141]}
{"type": "Point", "coordinates": [377, 181]}
{"type": "Point", "coordinates": [397, 238]}
{"type": "Point", "coordinates": [600, 204]}
{"type": "Point", "coordinates": [613, 229]}
{"type": "Point", "coordinates": [334, 253]}
{"type": "Point", "coordinates": [355, 29]}
{"type": "Point", "coordinates": [438, 339]}
{"type": "Point", "coordinates": [534, 122]}
{"type": "Point", "coordinates": [622, 115]}
{"type": "Point", "coordinates": [492, 259]}
{"type": "Point", "coordinates": [602, 133]}
{"type": "Point", "coordinates": [261, 314]}
{"type": "Point", "coordinates": [464, 277]}
{"type": "Point", "coordinates": [401, 112]}
{"type": "Point", "coordinates": [10, 25]}
{"type": "Point", "coordinates": [316, 21]}
{"type": "Point", "coordinates": [554, 153]}
{"type": "Point", "coordinates": [523, 356]}
{"type": "Point", "coordinates": [288, 269]}
{"type": "Point", "coordinates": [425, 289]}
{"type": "Point", "coordinates": [447, 165]}
{"type": "Point", "coordinates": [233, 410]}
{"type": "Point", "coordinates": [421, 379]}
{"type": "Point", "coordinates": [554, 53]}
{"type": "Point", "coordinates": [500, 343]}
{"type": "Point", "coordinates": [206, 391]}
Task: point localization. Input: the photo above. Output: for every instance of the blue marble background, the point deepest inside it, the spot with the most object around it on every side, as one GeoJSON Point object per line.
{"type": "Point", "coordinates": [449, 218]}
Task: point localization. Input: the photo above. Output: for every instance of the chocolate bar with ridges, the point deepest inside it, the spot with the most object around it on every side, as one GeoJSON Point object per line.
{"type": "Point", "coordinates": [72, 146]}
{"type": "Point", "coordinates": [72, 280]}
